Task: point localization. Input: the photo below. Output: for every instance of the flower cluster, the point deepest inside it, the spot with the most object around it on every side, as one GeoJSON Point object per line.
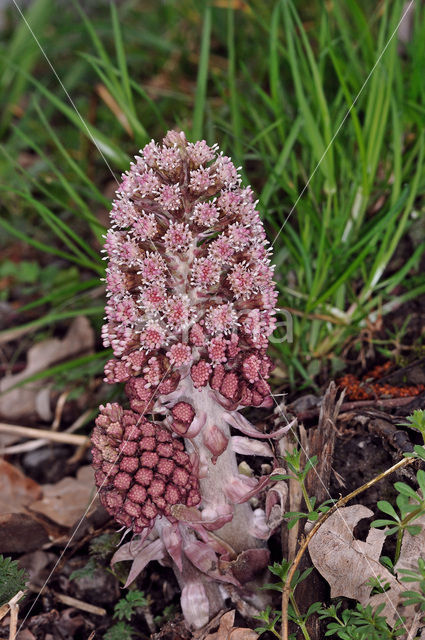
{"type": "Point", "coordinates": [141, 470]}
{"type": "Point", "coordinates": [189, 279]}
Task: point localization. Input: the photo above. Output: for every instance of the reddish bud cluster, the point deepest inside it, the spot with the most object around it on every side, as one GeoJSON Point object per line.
{"type": "Point", "coordinates": [141, 469]}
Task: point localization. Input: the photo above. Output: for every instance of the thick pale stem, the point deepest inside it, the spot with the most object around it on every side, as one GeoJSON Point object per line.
{"type": "Point", "coordinates": [236, 532]}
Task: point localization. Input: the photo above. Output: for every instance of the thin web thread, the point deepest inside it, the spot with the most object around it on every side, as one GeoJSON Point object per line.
{"type": "Point", "coordinates": [342, 122]}
{"type": "Point", "coordinates": [64, 90]}
{"type": "Point", "coordinates": [74, 107]}
{"type": "Point", "coordinates": [284, 223]}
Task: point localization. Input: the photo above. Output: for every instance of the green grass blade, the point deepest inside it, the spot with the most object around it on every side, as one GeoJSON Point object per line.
{"type": "Point", "coordinates": [201, 83]}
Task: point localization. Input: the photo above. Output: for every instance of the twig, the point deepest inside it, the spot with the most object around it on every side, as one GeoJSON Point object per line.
{"type": "Point", "coordinates": [341, 502]}
{"type": "Point", "coordinates": [54, 436]}
{"type": "Point", "coordinates": [60, 405]}
{"type": "Point", "coordinates": [73, 602]}
{"type": "Point", "coordinates": [356, 404]}
{"type": "Point", "coordinates": [79, 604]}
{"type": "Point", "coordinates": [40, 442]}
{"type": "Point", "coordinates": [13, 607]}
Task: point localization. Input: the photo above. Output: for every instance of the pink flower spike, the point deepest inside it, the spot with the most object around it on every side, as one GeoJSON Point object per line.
{"type": "Point", "coordinates": [150, 154]}
{"type": "Point", "coordinates": [153, 337]}
{"type": "Point", "coordinates": [241, 281]}
{"type": "Point", "coordinates": [199, 152]}
{"type": "Point", "coordinates": [178, 311]}
{"type": "Point", "coordinates": [153, 268]}
{"type": "Point", "coordinates": [205, 273]}
{"type": "Point", "coordinates": [200, 373]}
{"type": "Point", "coordinates": [147, 183]}
{"type": "Point", "coordinates": [190, 309]}
{"type": "Point", "coordinates": [145, 227]}
{"type": "Point", "coordinates": [217, 349]}
{"type": "Point", "coordinates": [152, 297]}
{"type": "Point", "coordinates": [221, 319]}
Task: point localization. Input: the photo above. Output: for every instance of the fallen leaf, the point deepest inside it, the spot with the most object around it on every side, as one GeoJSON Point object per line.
{"type": "Point", "coordinates": [25, 634]}
{"type": "Point", "coordinates": [66, 501]}
{"type": "Point", "coordinates": [19, 533]}
{"type": "Point", "coordinates": [412, 548]}
{"type": "Point", "coordinates": [348, 564]}
{"type": "Point", "coordinates": [16, 490]}
{"type": "Point", "coordinates": [34, 398]}
{"type": "Point", "coordinates": [226, 630]}
{"type": "Point", "coordinates": [37, 564]}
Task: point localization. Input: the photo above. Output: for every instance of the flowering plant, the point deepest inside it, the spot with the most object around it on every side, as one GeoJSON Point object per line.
{"type": "Point", "coordinates": [190, 310]}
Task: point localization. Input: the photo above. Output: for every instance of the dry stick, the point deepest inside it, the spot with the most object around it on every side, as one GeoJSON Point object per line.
{"type": "Point", "coordinates": [55, 436]}
{"type": "Point", "coordinates": [346, 407]}
{"type": "Point", "coordinates": [14, 610]}
{"type": "Point", "coordinates": [341, 502]}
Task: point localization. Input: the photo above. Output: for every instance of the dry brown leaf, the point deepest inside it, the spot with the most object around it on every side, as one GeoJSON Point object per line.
{"type": "Point", "coordinates": [345, 562]}
{"type": "Point", "coordinates": [19, 533]}
{"type": "Point", "coordinates": [25, 634]}
{"type": "Point", "coordinates": [348, 564]}
{"type": "Point", "coordinates": [227, 631]}
{"type": "Point", "coordinates": [412, 548]}
{"type": "Point", "coordinates": [66, 501]}
{"type": "Point", "coordinates": [16, 490]}
{"type": "Point", "coordinates": [34, 398]}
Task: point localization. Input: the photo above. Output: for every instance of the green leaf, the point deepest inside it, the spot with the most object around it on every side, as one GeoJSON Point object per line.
{"type": "Point", "coordinates": [12, 579]}
{"type": "Point", "coordinates": [405, 490]}
{"type": "Point", "coordinates": [414, 529]}
{"type": "Point", "coordinates": [387, 508]}
{"type": "Point", "coordinates": [201, 83]}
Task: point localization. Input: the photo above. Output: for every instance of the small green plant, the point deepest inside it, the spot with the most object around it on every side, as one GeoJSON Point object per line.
{"type": "Point", "coordinates": [378, 585]}
{"type": "Point", "coordinates": [416, 421]}
{"type": "Point", "coordinates": [169, 612]}
{"type": "Point", "coordinates": [415, 597]}
{"type": "Point", "coordinates": [360, 623]}
{"type": "Point", "coordinates": [100, 549]}
{"type": "Point", "coordinates": [85, 572]}
{"type": "Point", "coordinates": [12, 579]}
{"type": "Point", "coordinates": [411, 505]}
{"type": "Point", "coordinates": [104, 546]}
{"type": "Point", "coordinates": [125, 608]}
{"type": "Point", "coordinates": [270, 617]}
{"type": "Point", "coordinates": [120, 631]}
{"type": "Point", "coordinates": [299, 474]}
